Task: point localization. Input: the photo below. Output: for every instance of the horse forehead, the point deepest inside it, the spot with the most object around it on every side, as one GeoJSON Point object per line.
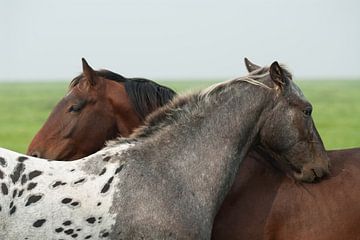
{"type": "Point", "coordinates": [296, 91]}
{"type": "Point", "coordinates": [69, 92]}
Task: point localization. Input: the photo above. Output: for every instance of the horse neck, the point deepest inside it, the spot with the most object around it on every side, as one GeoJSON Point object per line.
{"type": "Point", "coordinates": [126, 117]}
{"type": "Point", "coordinates": [209, 146]}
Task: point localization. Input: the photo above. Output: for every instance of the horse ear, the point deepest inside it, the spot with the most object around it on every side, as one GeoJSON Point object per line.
{"type": "Point", "coordinates": [250, 66]}
{"type": "Point", "coordinates": [277, 74]}
{"type": "Point", "coordinates": [89, 73]}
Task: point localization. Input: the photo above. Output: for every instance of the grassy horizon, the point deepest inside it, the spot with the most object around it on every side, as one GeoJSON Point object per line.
{"type": "Point", "coordinates": [25, 106]}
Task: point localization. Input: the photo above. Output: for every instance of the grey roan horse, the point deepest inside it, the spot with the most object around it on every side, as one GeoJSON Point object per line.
{"type": "Point", "coordinates": [168, 180]}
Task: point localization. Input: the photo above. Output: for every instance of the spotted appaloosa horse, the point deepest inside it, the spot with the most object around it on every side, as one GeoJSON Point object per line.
{"type": "Point", "coordinates": [100, 105]}
{"type": "Point", "coordinates": [168, 180]}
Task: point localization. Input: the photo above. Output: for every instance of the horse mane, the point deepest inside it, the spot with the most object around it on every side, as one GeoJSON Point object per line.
{"type": "Point", "coordinates": [145, 95]}
{"type": "Point", "coordinates": [189, 103]}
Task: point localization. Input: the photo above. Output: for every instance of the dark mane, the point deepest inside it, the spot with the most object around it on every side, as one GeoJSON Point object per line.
{"type": "Point", "coordinates": [145, 95]}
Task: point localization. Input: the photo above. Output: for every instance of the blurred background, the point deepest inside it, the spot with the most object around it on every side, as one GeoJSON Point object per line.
{"type": "Point", "coordinates": [183, 44]}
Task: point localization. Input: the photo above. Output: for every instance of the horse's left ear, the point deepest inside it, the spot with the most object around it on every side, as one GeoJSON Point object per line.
{"type": "Point", "coordinates": [250, 66]}
{"type": "Point", "coordinates": [277, 75]}
{"type": "Point", "coordinates": [89, 73]}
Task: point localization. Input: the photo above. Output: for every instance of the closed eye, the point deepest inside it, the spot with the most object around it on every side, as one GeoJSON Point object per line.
{"type": "Point", "coordinates": [75, 108]}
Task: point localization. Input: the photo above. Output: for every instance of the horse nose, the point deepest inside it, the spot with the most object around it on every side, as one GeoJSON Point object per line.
{"type": "Point", "coordinates": [35, 154]}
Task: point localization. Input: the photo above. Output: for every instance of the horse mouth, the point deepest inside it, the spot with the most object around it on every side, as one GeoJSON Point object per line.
{"type": "Point", "coordinates": [312, 175]}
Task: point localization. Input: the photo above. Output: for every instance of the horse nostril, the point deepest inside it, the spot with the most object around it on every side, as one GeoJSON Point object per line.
{"type": "Point", "coordinates": [319, 172]}
{"type": "Point", "coordinates": [35, 154]}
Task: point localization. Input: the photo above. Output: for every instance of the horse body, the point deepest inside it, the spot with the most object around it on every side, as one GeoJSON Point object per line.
{"type": "Point", "coordinates": [339, 215]}
{"type": "Point", "coordinates": [164, 186]}
{"type": "Point", "coordinates": [286, 210]}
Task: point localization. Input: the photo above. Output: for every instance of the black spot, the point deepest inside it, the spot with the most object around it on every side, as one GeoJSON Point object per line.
{"type": "Point", "coordinates": [91, 220]}
{"type": "Point", "coordinates": [12, 210]}
{"type": "Point", "coordinates": [33, 199]}
{"type": "Point", "coordinates": [4, 189]}
{"type": "Point", "coordinates": [23, 179]}
{"type": "Point", "coordinates": [105, 188]}
{"type": "Point", "coordinates": [106, 159]}
{"type": "Point", "coordinates": [58, 183]}
{"type": "Point", "coordinates": [69, 231]}
{"type": "Point", "coordinates": [34, 174]}
{"type": "Point", "coordinates": [88, 237]}
{"type": "Point", "coordinates": [105, 234]}
{"type": "Point", "coordinates": [2, 162]}
{"type": "Point", "coordinates": [1, 174]}
{"type": "Point", "coordinates": [72, 170]}
{"type": "Point", "coordinates": [74, 204]}
{"type": "Point", "coordinates": [66, 200]}
{"type": "Point", "coordinates": [11, 204]}
{"type": "Point", "coordinates": [74, 235]}
{"type": "Point", "coordinates": [58, 230]}
{"type": "Point", "coordinates": [39, 222]}
{"type": "Point", "coordinates": [107, 185]}
{"type": "Point", "coordinates": [78, 230]}
{"type": "Point", "coordinates": [119, 169]}
{"type": "Point", "coordinates": [79, 181]}
{"type": "Point", "coordinates": [102, 172]}
{"type": "Point", "coordinates": [98, 204]}
{"type": "Point", "coordinates": [22, 158]}
{"type": "Point", "coordinates": [67, 223]}
{"type": "Point", "coordinates": [21, 192]}
{"type": "Point", "coordinates": [110, 180]}
{"type": "Point", "coordinates": [14, 193]}
{"type": "Point", "coordinates": [0, 208]}
{"type": "Point", "coordinates": [31, 185]}
{"type": "Point", "coordinates": [17, 172]}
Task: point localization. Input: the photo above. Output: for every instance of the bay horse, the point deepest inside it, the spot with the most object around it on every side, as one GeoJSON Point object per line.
{"type": "Point", "coordinates": [168, 180]}
{"type": "Point", "coordinates": [286, 210]}
{"type": "Point", "coordinates": [96, 110]}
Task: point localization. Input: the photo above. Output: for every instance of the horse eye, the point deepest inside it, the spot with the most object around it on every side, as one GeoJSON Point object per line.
{"type": "Point", "coordinates": [75, 108]}
{"type": "Point", "coordinates": [307, 111]}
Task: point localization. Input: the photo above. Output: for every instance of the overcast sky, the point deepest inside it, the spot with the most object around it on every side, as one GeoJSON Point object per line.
{"type": "Point", "coordinates": [45, 39]}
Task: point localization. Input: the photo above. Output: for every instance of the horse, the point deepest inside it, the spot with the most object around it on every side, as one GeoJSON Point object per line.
{"type": "Point", "coordinates": [169, 178]}
{"type": "Point", "coordinates": [287, 210]}
{"type": "Point", "coordinates": [94, 110]}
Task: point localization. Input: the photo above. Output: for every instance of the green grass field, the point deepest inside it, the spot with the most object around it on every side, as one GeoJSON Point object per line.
{"type": "Point", "coordinates": [24, 107]}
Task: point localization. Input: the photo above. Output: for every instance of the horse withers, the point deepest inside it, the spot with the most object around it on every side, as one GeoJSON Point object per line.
{"type": "Point", "coordinates": [99, 106]}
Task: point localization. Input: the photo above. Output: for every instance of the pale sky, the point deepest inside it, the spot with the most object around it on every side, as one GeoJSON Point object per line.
{"type": "Point", "coordinates": [177, 39]}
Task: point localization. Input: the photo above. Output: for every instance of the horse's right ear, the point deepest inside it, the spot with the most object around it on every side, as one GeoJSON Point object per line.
{"type": "Point", "coordinates": [277, 75]}
{"type": "Point", "coordinates": [250, 66]}
{"type": "Point", "coordinates": [89, 73]}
